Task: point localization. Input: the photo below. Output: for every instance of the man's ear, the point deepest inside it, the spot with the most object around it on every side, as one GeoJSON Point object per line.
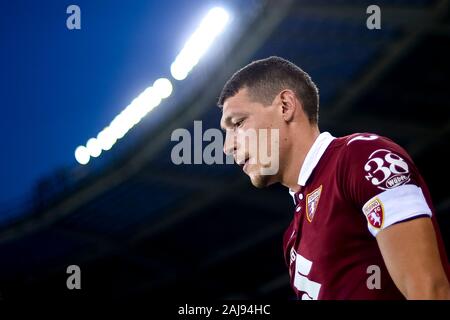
{"type": "Point", "coordinates": [289, 104]}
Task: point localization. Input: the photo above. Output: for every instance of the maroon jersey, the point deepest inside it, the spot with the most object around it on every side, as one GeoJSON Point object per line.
{"type": "Point", "coordinates": [350, 189]}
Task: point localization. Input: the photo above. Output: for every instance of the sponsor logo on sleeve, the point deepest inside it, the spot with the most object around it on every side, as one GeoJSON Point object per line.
{"type": "Point", "coordinates": [374, 213]}
{"type": "Point", "coordinates": [386, 170]}
{"type": "Point", "coordinates": [312, 201]}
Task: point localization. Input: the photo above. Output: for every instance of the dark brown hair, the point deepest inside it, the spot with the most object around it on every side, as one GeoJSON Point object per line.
{"type": "Point", "coordinates": [267, 77]}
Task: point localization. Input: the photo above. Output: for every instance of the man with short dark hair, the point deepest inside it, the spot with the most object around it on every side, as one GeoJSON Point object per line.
{"type": "Point", "coordinates": [364, 224]}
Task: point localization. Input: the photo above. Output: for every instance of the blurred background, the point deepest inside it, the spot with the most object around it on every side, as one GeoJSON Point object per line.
{"type": "Point", "coordinates": [140, 226]}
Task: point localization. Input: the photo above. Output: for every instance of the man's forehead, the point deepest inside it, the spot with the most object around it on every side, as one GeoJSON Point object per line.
{"type": "Point", "coordinates": [236, 103]}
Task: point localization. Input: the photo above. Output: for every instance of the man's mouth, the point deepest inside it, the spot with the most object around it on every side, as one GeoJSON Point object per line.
{"type": "Point", "coordinates": [244, 163]}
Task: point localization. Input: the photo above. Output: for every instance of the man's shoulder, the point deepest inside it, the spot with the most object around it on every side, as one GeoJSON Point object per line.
{"type": "Point", "coordinates": [364, 140]}
{"type": "Point", "coordinates": [358, 147]}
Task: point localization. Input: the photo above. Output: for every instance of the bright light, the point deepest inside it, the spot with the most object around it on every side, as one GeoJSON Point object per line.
{"type": "Point", "coordinates": [147, 99]}
{"type": "Point", "coordinates": [106, 139]}
{"type": "Point", "coordinates": [164, 87]}
{"type": "Point", "coordinates": [93, 148]}
{"type": "Point", "coordinates": [82, 155]}
{"type": "Point", "coordinates": [210, 27]}
{"type": "Point", "coordinates": [120, 125]}
{"type": "Point", "coordinates": [178, 72]}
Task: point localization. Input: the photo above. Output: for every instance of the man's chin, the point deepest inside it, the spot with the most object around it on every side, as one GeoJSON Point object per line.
{"type": "Point", "coordinates": [260, 181]}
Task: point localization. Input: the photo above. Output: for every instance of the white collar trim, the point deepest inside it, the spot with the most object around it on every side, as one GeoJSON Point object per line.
{"type": "Point", "coordinates": [313, 157]}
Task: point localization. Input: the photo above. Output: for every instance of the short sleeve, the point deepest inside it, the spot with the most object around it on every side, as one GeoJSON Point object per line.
{"type": "Point", "coordinates": [380, 178]}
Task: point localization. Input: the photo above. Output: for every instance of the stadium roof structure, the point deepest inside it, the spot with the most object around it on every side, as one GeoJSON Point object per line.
{"type": "Point", "coordinates": [140, 226]}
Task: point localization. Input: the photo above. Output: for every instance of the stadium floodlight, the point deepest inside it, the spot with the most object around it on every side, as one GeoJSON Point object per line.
{"type": "Point", "coordinates": [147, 100]}
{"type": "Point", "coordinates": [93, 147]}
{"type": "Point", "coordinates": [164, 87]}
{"type": "Point", "coordinates": [210, 27]}
{"type": "Point", "coordinates": [82, 155]}
{"type": "Point", "coordinates": [106, 139]}
{"type": "Point", "coordinates": [124, 121]}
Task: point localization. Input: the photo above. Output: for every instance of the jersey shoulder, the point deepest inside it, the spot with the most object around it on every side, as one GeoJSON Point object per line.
{"type": "Point", "coordinates": [369, 160]}
{"type": "Point", "coordinates": [363, 139]}
{"type": "Point", "coordinates": [361, 152]}
{"type": "Point", "coordinates": [363, 144]}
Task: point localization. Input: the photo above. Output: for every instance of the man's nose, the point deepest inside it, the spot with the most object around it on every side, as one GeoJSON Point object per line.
{"type": "Point", "coordinates": [229, 147]}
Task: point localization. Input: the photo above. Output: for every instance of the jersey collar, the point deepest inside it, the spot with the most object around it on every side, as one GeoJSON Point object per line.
{"type": "Point", "coordinates": [312, 158]}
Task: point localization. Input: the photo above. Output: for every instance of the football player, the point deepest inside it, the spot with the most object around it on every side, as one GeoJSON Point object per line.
{"type": "Point", "coordinates": [363, 226]}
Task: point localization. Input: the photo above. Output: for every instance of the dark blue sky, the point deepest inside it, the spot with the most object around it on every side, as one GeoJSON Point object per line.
{"type": "Point", "coordinates": [60, 87]}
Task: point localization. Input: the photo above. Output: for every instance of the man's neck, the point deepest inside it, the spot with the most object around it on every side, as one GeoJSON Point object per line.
{"type": "Point", "coordinates": [296, 158]}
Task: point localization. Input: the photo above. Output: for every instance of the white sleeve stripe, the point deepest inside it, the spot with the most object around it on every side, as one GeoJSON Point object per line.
{"type": "Point", "coordinates": [401, 203]}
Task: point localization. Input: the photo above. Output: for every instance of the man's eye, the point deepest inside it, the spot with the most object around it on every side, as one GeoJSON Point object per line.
{"type": "Point", "coordinates": [239, 123]}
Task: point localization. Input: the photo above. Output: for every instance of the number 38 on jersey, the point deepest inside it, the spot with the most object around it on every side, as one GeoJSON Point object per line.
{"type": "Point", "coordinates": [386, 170]}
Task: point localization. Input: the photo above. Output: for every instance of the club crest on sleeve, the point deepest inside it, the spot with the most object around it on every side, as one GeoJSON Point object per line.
{"type": "Point", "coordinates": [374, 212]}
{"type": "Point", "coordinates": [312, 201]}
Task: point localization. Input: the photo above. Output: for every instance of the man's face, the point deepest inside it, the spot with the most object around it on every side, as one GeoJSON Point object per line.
{"type": "Point", "coordinates": [245, 123]}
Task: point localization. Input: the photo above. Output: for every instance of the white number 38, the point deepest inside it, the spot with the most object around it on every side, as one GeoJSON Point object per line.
{"type": "Point", "coordinates": [386, 167]}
